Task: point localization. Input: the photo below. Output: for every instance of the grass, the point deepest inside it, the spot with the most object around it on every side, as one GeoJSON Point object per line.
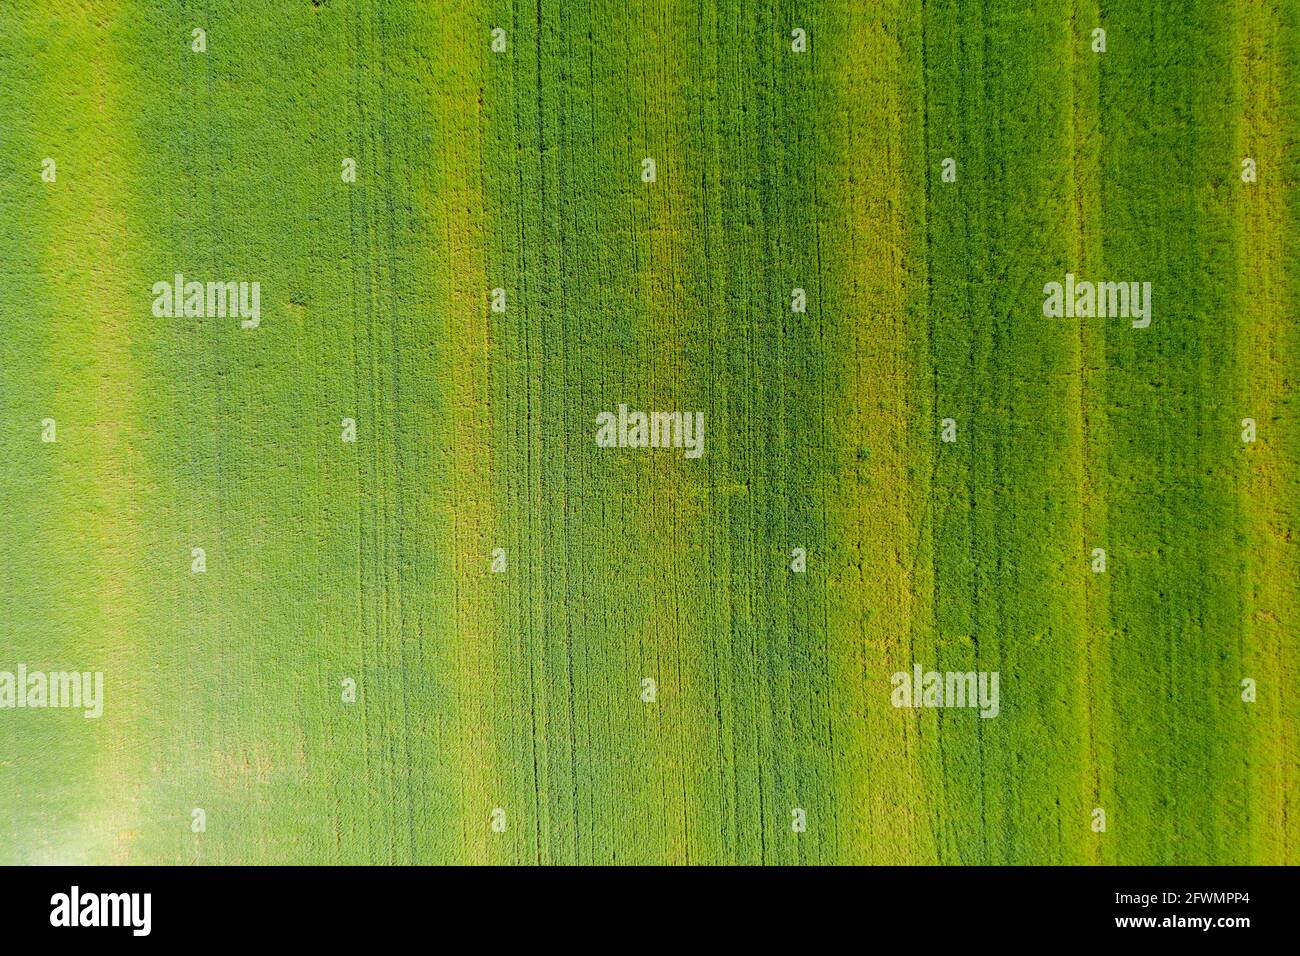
{"type": "Point", "coordinates": [522, 691]}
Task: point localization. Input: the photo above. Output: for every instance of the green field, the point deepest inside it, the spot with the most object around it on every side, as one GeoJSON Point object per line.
{"type": "Point", "coordinates": [503, 716]}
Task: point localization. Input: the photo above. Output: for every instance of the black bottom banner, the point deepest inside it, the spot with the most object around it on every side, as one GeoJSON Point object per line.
{"type": "Point", "coordinates": [1219, 906]}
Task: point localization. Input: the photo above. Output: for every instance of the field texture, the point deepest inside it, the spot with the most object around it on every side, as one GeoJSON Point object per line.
{"type": "Point", "coordinates": [475, 635]}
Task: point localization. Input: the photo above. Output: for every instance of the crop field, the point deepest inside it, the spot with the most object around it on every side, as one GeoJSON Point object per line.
{"type": "Point", "coordinates": [966, 341]}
